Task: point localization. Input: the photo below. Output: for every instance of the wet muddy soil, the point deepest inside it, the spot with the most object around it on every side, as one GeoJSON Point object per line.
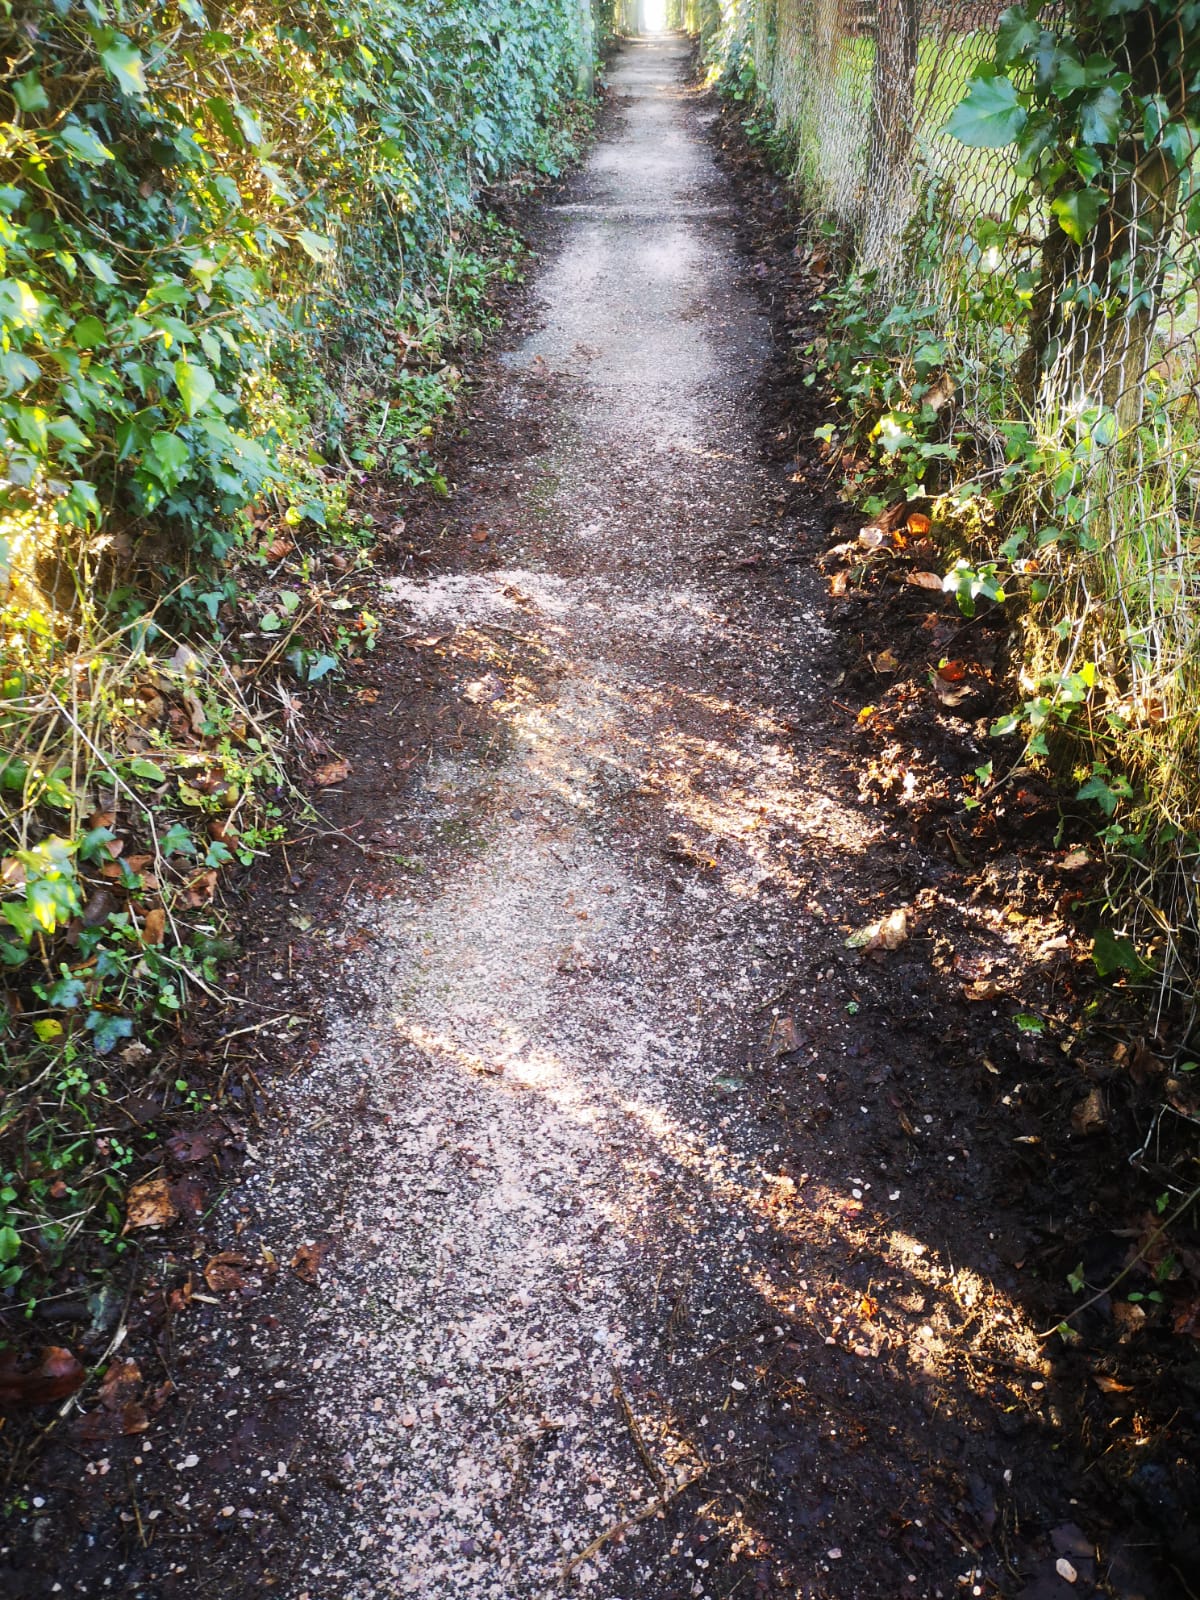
{"type": "Point", "coordinates": [654, 1195]}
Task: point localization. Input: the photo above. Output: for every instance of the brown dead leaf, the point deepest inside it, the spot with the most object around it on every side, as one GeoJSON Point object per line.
{"type": "Point", "coordinates": [149, 1205]}
{"type": "Point", "coordinates": [122, 1383]}
{"type": "Point", "coordinates": [197, 716]}
{"type": "Point", "coordinates": [223, 1273]}
{"type": "Point", "coordinates": [332, 772]}
{"type": "Point", "coordinates": [134, 1418]}
{"type": "Point", "coordinates": [306, 1263]}
{"type": "Point", "coordinates": [1090, 1115]}
{"type": "Point", "coordinates": [924, 580]}
{"type": "Point", "coordinates": [278, 548]}
{"type": "Point", "coordinates": [54, 1375]}
{"type": "Point", "coordinates": [1144, 1065]}
{"type": "Point", "coordinates": [837, 584]}
{"type": "Point", "coordinates": [202, 888]}
{"type": "Point", "coordinates": [949, 683]}
{"type": "Point", "coordinates": [784, 1036]}
{"type": "Point", "coordinates": [367, 697]}
{"type": "Point", "coordinates": [885, 661]}
{"type": "Point", "coordinates": [892, 931]}
{"type": "Point", "coordinates": [190, 1146]}
{"type": "Point", "coordinates": [190, 1196]}
{"type": "Point", "coordinates": [100, 905]}
{"type": "Point", "coordinates": [1110, 1385]}
{"type": "Point", "coordinates": [484, 690]}
{"type": "Point", "coordinates": [181, 1298]}
{"type": "Point", "coordinates": [154, 926]}
{"type": "Point", "coordinates": [873, 537]}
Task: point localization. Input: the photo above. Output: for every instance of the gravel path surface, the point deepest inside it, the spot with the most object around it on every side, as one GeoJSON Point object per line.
{"type": "Point", "coordinates": [556, 1172]}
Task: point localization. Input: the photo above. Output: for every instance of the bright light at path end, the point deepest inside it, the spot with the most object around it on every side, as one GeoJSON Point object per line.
{"type": "Point", "coordinates": [654, 15]}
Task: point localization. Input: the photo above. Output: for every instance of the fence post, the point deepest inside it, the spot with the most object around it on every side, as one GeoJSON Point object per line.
{"type": "Point", "coordinates": [585, 65]}
{"type": "Point", "coordinates": [893, 81]}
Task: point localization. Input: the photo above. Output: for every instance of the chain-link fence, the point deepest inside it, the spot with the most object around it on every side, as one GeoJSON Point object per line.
{"type": "Point", "coordinates": [1036, 230]}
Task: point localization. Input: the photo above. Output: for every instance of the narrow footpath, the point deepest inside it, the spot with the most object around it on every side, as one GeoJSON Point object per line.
{"type": "Point", "coordinates": [625, 1275]}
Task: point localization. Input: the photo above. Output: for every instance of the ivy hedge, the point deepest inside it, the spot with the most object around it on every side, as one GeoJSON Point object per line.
{"type": "Point", "coordinates": [241, 247]}
{"type": "Point", "coordinates": [198, 197]}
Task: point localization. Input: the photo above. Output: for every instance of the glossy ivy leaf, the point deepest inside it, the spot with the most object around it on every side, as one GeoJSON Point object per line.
{"type": "Point", "coordinates": [196, 386]}
{"type": "Point", "coordinates": [316, 246]}
{"type": "Point", "coordinates": [1015, 34]}
{"type": "Point", "coordinates": [1078, 212]}
{"type": "Point", "coordinates": [1100, 117]}
{"type": "Point", "coordinates": [124, 65]}
{"type": "Point", "coordinates": [250, 125]}
{"type": "Point", "coordinates": [98, 267]}
{"type": "Point", "coordinates": [29, 94]}
{"type": "Point", "coordinates": [82, 143]}
{"type": "Point", "coordinates": [989, 116]}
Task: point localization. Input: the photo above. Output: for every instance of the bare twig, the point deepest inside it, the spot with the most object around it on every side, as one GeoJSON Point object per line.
{"type": "Point", "coordinates": [656, 1474]}
{"type": "Point", "coordinates": [644, 1515]}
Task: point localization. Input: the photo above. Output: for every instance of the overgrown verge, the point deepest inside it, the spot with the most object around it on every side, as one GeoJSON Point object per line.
{"type": "Point", "coordinates": [1003, 212]}
{"type": "Point", "coordinates": [243, 254]}
{"type": "Point", "coordinates": [1000, 216]}
{"type": "Point", "coordinates": [1088, 1118]}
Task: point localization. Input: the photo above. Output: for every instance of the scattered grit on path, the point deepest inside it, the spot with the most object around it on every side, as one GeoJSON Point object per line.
{"type": "Point", "coordinates": [602, 1309]}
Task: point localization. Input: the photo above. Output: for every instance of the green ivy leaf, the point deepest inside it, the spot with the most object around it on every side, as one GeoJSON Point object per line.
{"type": "Point", "coordinates": [1015, 34]}
{"type": "Point", "coordinates": [29, 94]}
{"type": "Point", "coordinates": [316, 245]}
{"type": "Point", "coordinates": [149, 770]}
{"type": "Point", "coordinates": [1078, 212]}
{"type": "Point", "coordinates": [222, 114]}
{"type": "Point", "coordinates": [168, 458]}
{"type": "Point", "coordinates": [108, 1031]}
{"type": "Point", "coordinates": [989, 116]}
{"type": "Point", "coordinates": [177, 841]}
{"type": "Point", "coordinates": [1106, 795]}
{"type": "Point", "coordinates": [124, 64]}
{"type": "Point", "coordinates": [250, 125]}
{"type": "Point", "coordinates": [98, 267]}
{"type": "Point", "coordinates": [1100, 117]}
{"type": "Point", "coordinates": [88, 332]}
{"type": "Point", "coordinates": [1112, 954]}
{"type": "Point", "coordinates": [10, 1244]}
{"type": "Point", "coordinates": [83, 143]}
{"type": "Point", "coordinates": [196, 386]}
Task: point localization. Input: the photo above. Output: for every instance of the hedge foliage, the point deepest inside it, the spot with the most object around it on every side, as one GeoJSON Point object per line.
{"type": "Point", "coordinates": [196, 193]}
{"type": "Point", "coordinates": [241, 244]}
